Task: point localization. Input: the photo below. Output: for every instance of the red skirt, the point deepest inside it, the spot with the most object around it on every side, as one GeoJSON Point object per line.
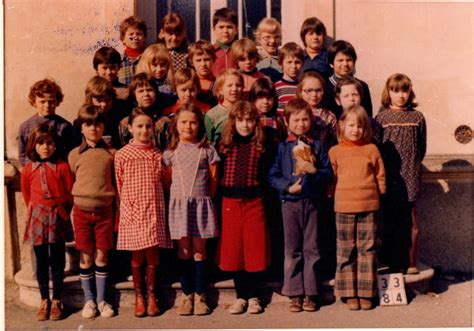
{"type": "Point", "coordinates": [244, 242]}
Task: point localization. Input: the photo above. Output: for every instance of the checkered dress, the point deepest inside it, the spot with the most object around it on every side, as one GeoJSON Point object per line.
{"type": "Point", "coordinates": [179, 58]}
{"type": "Point", "coordinates": [138, 174]}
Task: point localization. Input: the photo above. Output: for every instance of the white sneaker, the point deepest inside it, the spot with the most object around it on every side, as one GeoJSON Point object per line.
{"type": "Point", "coordinates": [254, 306]}
{"type": "Point", "coordinates": [238, 307]}
{"type": "Point", "coordinates": [89, 310]}
{"type": "Point", "coordinates": [106, 310]}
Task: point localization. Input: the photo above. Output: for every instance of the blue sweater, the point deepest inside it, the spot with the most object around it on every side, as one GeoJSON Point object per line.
{"type": "Point", "coordinates": [281, 173]}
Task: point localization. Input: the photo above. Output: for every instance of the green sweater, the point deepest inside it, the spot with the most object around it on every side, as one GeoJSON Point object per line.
{"type": "Point", "coordinates": [214, 122]}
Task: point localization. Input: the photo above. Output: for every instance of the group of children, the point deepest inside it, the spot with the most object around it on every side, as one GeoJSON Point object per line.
{"type": "Point", "coordinates": [184, 143]}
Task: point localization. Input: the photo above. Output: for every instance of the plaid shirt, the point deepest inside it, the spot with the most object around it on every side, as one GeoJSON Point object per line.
{"type": "Point", "coordinates": [127, 71]}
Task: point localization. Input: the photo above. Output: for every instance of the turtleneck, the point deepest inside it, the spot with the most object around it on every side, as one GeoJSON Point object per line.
{"type": "Point", "coordinates": [242, 140]}
{"type": "Point", "coordinates": [223, 46]}
{"type": "Point", "coordinates": [350, 143]}
{"type": "Point", "coordinates": [132, 53]}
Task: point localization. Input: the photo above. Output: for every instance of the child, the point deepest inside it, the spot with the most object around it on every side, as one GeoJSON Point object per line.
{"type": "Point", "coordinates": [107, 62]}
{"type": "Point", "coordinates": [173, 35]}
{"type": "Point", "coordinates": [156, 62]}
{"type": "Point", "coordinates": [291, 59]}
{"type": "Point", "coordinates": [342, 58]}
{"type": "Point", "coordinates": [133, 36]}
{"type": "Point", "coordinates": [268, 38]}
{"type": "Point", "coordinates": [244, 246]}
{"type": "Point", "coordinates": [93, 215]}
{"type": "Point", "coordinates": [228, 90]}
{"type": "Point", "coordinates": [192, 216]}
{"type": "Point", "coordinates": [46, 184]}
{"type": "Point", "coordinates": [313, 35]}
{"type": "Point", "coordinates": [186, 87]}
{"type": "Point", "coordinates": [311, 90]}
{"type": "Point", "coordinates": [45, 95]}
{"type": "Point", "coordinates": [245, 55]}
{"type": "Point", "coordinates": [224, 26]}
{"type": "Point", "coordinates": [403, 149]}
{"type": "Point", "coordinates": [359, 179]}
{"type": "Point", "coordinates": [142, 228]}
{"type": "Point", "coordinates": [201, 56]}
{"type": "Point", "coordinates": [299, 196]}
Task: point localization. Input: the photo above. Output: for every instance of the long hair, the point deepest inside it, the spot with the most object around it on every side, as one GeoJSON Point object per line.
{"type": "Point", "coordinates": [238, 111]}
{"type": "Point", "coordinates": [174, 135]}
{"type": "Point", "coordinates": [397, 82]}
{"type": "Point", "coordinates": [362, 119]}
{"type": "Point", "coordinates": [38, 135]}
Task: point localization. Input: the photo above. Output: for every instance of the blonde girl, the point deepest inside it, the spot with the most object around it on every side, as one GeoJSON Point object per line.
{"type": "Point", "coordinates": [228, 90]}
{"type": "Point", "coordinates": [359, 178]}
{"type": "Point", "coordinates": [201, 57]}
{"type": "Point", "coordinates": [156, 62]}
{"type": "Point", "coordinates": [268, 38]}
{"type": "Point", "coordinates": [192, 216]}
{"type": "Point", "coordinates": [173, 35]}
{"type": "Point", "coordinates": [403, 149]}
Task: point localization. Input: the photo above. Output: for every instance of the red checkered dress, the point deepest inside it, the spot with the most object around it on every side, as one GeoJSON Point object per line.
{"type": "Point", "coordinates": [142, 210]}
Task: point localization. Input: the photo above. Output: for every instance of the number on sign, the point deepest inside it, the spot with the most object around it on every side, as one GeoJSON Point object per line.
{"type": "Point", "coordinates": [399, 297]}
{"type": "Point", "coordinates": [384, 283]}
{"type": "Point", "coordinates": [386, 298]}
{"type": "Point", "coordinates": [397, 282]}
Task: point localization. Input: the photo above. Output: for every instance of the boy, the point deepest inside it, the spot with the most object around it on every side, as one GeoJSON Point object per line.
{"type": "Point", "coordinates": [107, 63]}
{"type": "Point", "coordinates": [291, 59]}
{"type": "Point", "coordinates": [342, 58]}
{"type": "Point", "coordinates": [45, 95]}
{"type": "Point", "coordinates": [224, 25]}
{"type": "Point", "coordinates": [268, 37]}
{"type": "Point", "coordinates": [313, 35]}
{"type": "Point", "coordinates": [300, 196]}
{"type": "Point", "coordinates": [201, 56]}
{"type": "Point", "coordinates": [94, 194]}
{"type": "Point", "coordinates": [132, 35]}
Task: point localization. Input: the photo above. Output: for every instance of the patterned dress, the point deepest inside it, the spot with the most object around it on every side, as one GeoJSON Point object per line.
{"type": "Point", "coordinates": [191, 210]}
{"type": "Point", "coordinates": [138, 173]}
{"type": "Point", "coordinates": [324, 127]}
{"type": "Point", "coordinates": [403, 148]}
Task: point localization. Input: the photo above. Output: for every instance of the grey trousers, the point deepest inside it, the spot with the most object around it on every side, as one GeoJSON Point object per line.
{"type": "Point", "coordinates": [300, 224]}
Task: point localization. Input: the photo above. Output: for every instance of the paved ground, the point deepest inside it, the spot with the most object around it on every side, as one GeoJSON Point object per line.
{"type": "Point", "coordinates": [449, 304]}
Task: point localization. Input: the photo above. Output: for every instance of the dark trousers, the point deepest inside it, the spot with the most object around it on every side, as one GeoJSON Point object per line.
{"type": "Point", "coordinates": [300, 226]}
{"type": "Point", "coordinates": [54, 256]}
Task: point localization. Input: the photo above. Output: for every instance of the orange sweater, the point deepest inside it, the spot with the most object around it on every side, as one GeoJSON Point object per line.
{"type": "Point", "coordinates": [360, 177]}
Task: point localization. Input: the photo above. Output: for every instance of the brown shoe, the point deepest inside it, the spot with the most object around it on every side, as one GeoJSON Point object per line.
{"type": "Point", "coordinates": [200, 306]}
{"type": "Point", "coordinates": [140, 308]}
{"type": "Point", "coordinates": [309, 303]}
{"type": "Point", "coordinates": [56, 313]}
{"type": "Point", "coordinates": [353, 303]}
{"type": "Point", "coordinates": [296, 304]}
{"type": "Point", "coordinates": [365, 303]}
{"type": "Point", "coordinates": [186, 307]}
{"type": "Point", "coordinates": [43, 312]}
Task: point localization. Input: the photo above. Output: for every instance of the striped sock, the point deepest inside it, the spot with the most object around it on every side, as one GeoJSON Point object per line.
{"type": "Point", "coordinates": [101, 274]}
{"type": "Point", "coordinates": [87, 282]}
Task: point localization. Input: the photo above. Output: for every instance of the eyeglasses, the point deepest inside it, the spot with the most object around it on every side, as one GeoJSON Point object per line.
{"type": "Point", "coordinates": [312, 90]}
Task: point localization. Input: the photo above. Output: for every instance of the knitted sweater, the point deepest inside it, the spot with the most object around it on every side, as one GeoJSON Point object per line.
{"type": "Point", "coordinates": [94, 170]}
{"type": "Point", "coordinates": [360, 177]}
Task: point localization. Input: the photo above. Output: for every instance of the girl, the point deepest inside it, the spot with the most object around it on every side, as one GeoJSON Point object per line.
{"type": "Point", "coordinates": [201, 56]}
{"type": "Point", "coordinates": [268, 38]}
{"type": "Point", "coordinates": [142, 227]}
{"type": "Point", "coordinates": [311, 90]}
{"type": "Point", "coordinates": [174, 36]}
{"type": "Point", "coordinates": [228, 90]}
{"type": "Point", "coordinates": [186, 86]}
{"type": "Point", "coordinates": [156, 62]}
{"type": "Point", "coordinates": [403, 149]}
{"type": "Point", "coordinates": [192, 218]}
{"type": "Point", "coordinates": [244, 245]}
{"type": "Point", "coordinates": [359, 179]}
{"type": "Point", "coordinates": [46, 185]}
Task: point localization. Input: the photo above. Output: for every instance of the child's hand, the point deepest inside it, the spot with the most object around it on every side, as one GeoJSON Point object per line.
{"type": "Point", "coordinates": [296, 187]}
{"type": "Point", "coordinates": [306, 166]}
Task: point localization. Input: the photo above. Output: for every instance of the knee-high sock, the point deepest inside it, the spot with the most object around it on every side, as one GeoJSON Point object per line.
{"type": "Point", "coordinates": [186, 276]}
{"type": "Point", "coordinates": [200, 277]}
{"type": "Point", "coordinates": [101, 275]}
{"type": "Point", "coordinates": [87, 282]}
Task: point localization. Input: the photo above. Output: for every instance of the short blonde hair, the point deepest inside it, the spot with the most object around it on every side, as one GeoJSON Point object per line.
{"type": "Point", "coordinates": [220, 80]}
{"type": "Point", "coordinates": [242, 48]}
{"type": "Point", "coordinates": [362, 118]}
{"type": "Point", "coordinates": [268, 25]}
{"type": "Point", "coordinates": [155, 53]}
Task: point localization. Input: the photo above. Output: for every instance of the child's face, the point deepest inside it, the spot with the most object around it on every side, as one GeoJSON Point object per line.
{"type": "Point", "coordinates": [93, 133]}
{"type": "Point", "coordinates": [225, 32]}
{"type": "Point", "coordinates": [398, 99]}
{"type": "Point", "coordinates": [186, 92]}
{"type": "Point", "coordinates": [134, 38]}
{"type": "Point", "coordinates": [141, 129]}
{"type": "Point", "coordinates": [159, 69]}
{"type": "Point", "coordinates": [108, 71]}
{"type": "Point", "coordinates": [246, 63]}
{"type": "Point", "coordinates": [269, 42]}
{"type": "Point", "coordinates": [314, 41]}
{"type": "Point", "coordinates": [264, 104]}
{"type": "Point", "coordinates": [145, 96]}
{"type": "Point", "coordinates": [292, 66]}
{"type": "Point", "coordinates": [245, 126]}
{"type": "Point", "coordinates": [103, 102]}
{"type": "Point", "coordinates": [348, 97]}
{"type": "Point", "coordinates": [299, 123]}
{"type": "Point", "coordinates": [202, 63]}
{"type": "Point", "coordinates": [46, 104]}
{"type": "Point", "coordinates": [231, 90]}
{"type": "Point", "coordinates": [187, 125]}
{"type": "Point", "coordinates": [343, 65]}
{"type": "Point", "coordinates": [312, 91]}
{"type": "Point", "coordinates": [172, 40]}
{"type": "Point", "coordinates": [45, 148]}
{"type": "Point", "coordinates": [353, 129]}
